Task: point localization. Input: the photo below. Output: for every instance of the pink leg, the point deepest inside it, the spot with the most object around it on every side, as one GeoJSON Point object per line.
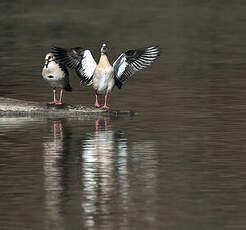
{"type": "Point", "coordinates": [60, 99]}
{"type": "Point", "coordinates": [96, 103]}
{"type": "Point", "coordinates": [54, 96]}
{"type": "Point", "coordinates": [105, 102]}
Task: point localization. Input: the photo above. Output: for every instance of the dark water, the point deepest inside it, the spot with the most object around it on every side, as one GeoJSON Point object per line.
{"type": "Point", "coordinates": [179, 164]}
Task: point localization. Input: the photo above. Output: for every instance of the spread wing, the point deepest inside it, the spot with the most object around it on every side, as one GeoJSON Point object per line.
{"type": "Point", "coordinates": [80, 60]}
{"type": "Point", "coordinates": [132, 61]}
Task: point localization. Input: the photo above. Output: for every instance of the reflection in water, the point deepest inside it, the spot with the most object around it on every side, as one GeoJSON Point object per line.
{"type": "Point", "coordinates": [105, 175]}
{"type": "Point", "coordinates": [94, 184]}
{"type": "Point", "coordinates": [192, 103]}
{"type": "Point", "coordinates": [103, 158]}
{"type": "Point", "coordinates": [53, 150]}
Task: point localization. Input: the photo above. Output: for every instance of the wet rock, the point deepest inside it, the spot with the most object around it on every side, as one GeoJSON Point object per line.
{"type": "Point", "coordinates": [9, 106]}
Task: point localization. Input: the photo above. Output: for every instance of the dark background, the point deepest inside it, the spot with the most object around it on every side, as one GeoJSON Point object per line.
{"type": "Point", "coordinates": [178, 164]}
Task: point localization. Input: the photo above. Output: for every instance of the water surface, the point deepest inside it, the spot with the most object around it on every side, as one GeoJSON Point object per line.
{"type": "Point", "coordinates": [178, 164]}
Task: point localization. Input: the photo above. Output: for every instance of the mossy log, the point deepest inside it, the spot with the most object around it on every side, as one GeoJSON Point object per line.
{"type": "Point", "coordinates": [9, 106]}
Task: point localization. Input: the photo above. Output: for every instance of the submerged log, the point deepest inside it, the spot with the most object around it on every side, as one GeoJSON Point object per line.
{"type": "Point", "coordinates": [9, 106]}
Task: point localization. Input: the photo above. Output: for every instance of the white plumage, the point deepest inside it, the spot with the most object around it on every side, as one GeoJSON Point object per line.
{"type": "Point", "coordinates": [88, 64]}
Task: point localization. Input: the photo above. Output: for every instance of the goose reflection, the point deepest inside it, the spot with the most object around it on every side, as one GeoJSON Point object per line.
{"type": "Point", "coordinates": [104, 163]}
{"type": "Point", "coordinates": [53, 153]}
{"type": "Point", "coordinates": [114, 172]}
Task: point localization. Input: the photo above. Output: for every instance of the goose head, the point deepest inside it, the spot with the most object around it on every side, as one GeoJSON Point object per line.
{"type": "Point", "coordinates": [104, 49]}
{"type": "Point", "coordinates": [49, 58]}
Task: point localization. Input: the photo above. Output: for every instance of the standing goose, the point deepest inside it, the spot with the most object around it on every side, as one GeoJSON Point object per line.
{"type": "Point", "coordinates": [57, 75]}
{"type": "Point", "coordinates": [103, 76]}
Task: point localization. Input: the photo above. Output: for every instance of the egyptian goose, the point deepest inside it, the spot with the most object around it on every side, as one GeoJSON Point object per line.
{"type": "Point", "coordinates": [103, 76]}
{"type": "Point", "coordinates": [56, 74]}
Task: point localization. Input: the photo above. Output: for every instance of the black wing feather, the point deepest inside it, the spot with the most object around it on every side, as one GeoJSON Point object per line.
{"type": "Point", "coordinates": [71, 58]}
{"type": "Point", "coordinates": [134, 60]}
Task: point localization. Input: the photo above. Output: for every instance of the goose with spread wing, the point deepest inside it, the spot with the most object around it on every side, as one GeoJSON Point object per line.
{"type": "Point", "coordinates": [103, 76]}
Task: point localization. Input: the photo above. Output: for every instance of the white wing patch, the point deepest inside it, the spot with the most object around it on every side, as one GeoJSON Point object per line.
{"type": "Point", "coordinates": [88, 64]}
{"type": "Point", "coordinates": [120, 65]}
